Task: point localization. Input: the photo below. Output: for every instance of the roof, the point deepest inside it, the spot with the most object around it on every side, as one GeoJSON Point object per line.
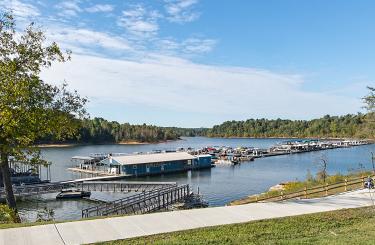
{"type": "Point", "coordinates": [83, 158]}
{"type": "Point", "coordinates": [152, 158]}
{"type": "Point", "coordinates": [204, 155]}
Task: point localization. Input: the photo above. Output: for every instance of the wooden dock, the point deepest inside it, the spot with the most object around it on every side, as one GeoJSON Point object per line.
{"type": "Point", "coordinates": [92, 172]}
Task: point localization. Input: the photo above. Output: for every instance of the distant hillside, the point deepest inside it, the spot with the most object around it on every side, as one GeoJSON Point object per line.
{"type": "Point", "coordinates": [99, 130]}
{"type": "Point", "coordinates": [327, 126]}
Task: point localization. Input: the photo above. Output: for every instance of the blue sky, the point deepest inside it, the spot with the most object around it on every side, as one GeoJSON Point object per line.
{"type": "Point", "coordinates": [195, 63]}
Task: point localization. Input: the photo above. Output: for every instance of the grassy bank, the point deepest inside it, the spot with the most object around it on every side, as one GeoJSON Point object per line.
{"type": "Point", "coordinates": [310, 182]}
{"type": "Point", "coordinates": [354, 226]}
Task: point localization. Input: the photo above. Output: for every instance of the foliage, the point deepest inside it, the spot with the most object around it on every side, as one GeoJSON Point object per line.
{"type": "Point", "coordinates": [7, 215]}
{"type": "Point", "coordinates": [327, 126]}
{"type": "Point", "coordinates": [29, 107]}
{"type": "Point", "coordinates": [338, 227]}
{"type": "Point", "coordinates": [369, 101]}
{"type": "Point", "coordinates": [99, 130]}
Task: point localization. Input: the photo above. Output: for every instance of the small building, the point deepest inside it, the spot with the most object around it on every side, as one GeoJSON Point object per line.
{"type": "Point", "coordinates": [84, 162]}
{"type": "Point", "coordinates": [155, 163]}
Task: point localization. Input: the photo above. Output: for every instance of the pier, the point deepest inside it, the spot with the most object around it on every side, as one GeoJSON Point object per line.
{"type": "Point", "coordinates": [82, 185]}
{"type": "Point", "coordinates": [145, 202]}
{"type": "Point", "coordinates": [233, 156]}
{"type": "Point", "coordinates": [184, 159]}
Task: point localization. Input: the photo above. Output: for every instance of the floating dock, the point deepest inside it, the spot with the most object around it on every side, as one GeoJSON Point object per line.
{"type": "Point", "coordinates": [161, 162]}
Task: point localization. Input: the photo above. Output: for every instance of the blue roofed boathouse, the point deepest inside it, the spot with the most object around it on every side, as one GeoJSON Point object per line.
{"type": "Point", "coordinates": [155, 163]}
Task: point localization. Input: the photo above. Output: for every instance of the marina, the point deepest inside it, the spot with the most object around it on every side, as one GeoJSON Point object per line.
{"type": "Point", "coordinates": [218, 185]}
{"type": "Point", "coordinates": [184, 159]}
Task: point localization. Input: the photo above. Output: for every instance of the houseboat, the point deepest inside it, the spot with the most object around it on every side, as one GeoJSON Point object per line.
{"type": "Point", "coordinates": [155, 163]}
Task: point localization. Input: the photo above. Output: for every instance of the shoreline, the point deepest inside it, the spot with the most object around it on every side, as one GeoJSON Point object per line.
{"type": "Point", "coordinates": [65, 145]}
{"type": "Point", "coordinates": [276, 137]}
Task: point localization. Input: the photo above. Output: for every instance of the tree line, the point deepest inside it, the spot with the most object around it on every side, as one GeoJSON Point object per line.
{"type": "Point", "coordinates": [100, 131]}
{"type": "Point", "coordinates": [354, 126]}
{"type": "Point", "coordinates": [326, 127]}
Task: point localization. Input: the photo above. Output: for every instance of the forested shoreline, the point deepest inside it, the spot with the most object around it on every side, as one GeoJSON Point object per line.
{"type": "Point", "coordinates": [101, 131]}
{"type": "Point", "coordinates": [347, 126]}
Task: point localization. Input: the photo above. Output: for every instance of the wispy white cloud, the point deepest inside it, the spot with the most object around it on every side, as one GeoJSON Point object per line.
{"type": "Point", "coordinates": [20, 9]}
{"type": "Point", "coordinates": [85, 40]}
{"type": "Point", "coordinates": [140, 21]}
{"type": "Point", "coordinates": [100, 8]}
{"type": "Point", "coordinates": [69, 8]}
{"type": "Point", "coordinates": [181, 85]}
{"type": "Point", "coordinates": [196, 45]}
{"type": "Point", "coordinates": [190, 46]}
{"type": "Point", "coordinates": [181, 11]}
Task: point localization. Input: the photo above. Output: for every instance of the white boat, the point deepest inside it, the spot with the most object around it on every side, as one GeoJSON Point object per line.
{"type": "Point", "coordinates": [224, 162]}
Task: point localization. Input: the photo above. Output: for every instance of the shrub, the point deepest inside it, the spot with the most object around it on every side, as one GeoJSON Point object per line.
{"type": "Point", "coordinates": [7, 215]}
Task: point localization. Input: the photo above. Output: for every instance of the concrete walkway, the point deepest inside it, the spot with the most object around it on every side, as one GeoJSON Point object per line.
{"type": "Point", "coordinates": [91, 231]}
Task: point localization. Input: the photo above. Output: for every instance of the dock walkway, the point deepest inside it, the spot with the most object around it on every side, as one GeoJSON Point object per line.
{"type": "Point", "coordinates": [91, 231]}
{"type": "Point", "coordinates": [89, 184]}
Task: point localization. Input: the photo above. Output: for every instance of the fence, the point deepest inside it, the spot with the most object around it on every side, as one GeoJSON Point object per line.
{"type": "Point", "coordinates": [309, 192]}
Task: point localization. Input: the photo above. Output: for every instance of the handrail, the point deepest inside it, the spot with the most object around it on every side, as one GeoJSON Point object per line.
{"type": "Point", "coordinates": [129, 201]}
{"type": "Point", "coordinates": [309, 191]}
{"type": "Point", "coordinates": [97, 185]}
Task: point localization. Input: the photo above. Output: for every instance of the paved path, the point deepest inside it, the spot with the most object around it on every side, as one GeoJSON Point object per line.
{"type": "Point", "coordinates": [141, 225]}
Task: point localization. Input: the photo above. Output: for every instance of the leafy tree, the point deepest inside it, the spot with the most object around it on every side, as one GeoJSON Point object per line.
{"type": "Point", "coordinates": [29, 107]}
{"type": "Point", "coordinates": [369, 101]}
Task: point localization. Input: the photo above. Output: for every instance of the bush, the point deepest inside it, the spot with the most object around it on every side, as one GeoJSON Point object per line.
{"type": "Point", "coordinates": [7, 215]}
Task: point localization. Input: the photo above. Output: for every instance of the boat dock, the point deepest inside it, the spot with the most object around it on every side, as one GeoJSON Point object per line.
{"type": "Point", "coordinates": [89, 184]}
{"type": "Point", "coordinates": [183, 159]}
{"type": "Point", "coordinates": [144, 202]}
{"type": "Point", "coordinates": [232, 155]}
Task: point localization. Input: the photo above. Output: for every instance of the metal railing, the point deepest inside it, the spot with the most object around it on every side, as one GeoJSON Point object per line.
{"type": "Point", "coordinates": [308, 192]}
{"type": "Point", "coordinates": [102, 186]}
{"type": "Point", "coordinates": [140, 203]}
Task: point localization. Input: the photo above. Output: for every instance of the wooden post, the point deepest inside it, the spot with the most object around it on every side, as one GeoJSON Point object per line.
{"type": "Point", "coordinates": [363, 181]}
{"type": "Point", "coordinates": [256, 198]}
{"type": "Point", "coordinates": [158, 199]}
{"type": "Point", "coordinates": [326, 188]}
{"type": "Point", "coordinates": [305, 192]}
{"type": "Point", "coordinates": [346, 184]}
{"type": "Point", "coordinates": [282, 195]}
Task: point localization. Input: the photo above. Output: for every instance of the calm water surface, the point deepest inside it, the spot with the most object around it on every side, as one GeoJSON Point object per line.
{"type": "Point", "coordinates": [219, 185]}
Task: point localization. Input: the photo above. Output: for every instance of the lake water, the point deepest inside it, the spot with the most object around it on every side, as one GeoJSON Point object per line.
{"type": "Point", "coordinates": [218, 185]}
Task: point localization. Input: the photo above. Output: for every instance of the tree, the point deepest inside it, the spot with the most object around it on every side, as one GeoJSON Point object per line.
{"type": "Point", "coordinates": [369, 101]}
{"type": "Point", "coordinates": [322, 174]}
{"type": "Point", "coordinates": [29, 107]}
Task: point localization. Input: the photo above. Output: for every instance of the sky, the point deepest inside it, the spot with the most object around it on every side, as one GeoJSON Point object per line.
{"type": "Point", "coordinates": [197, 63]}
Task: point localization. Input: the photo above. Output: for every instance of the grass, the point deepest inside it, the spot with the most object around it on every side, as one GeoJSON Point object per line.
{"type": "Point", "coordinates": [349, 226]}
{"type": "Point", "coordinates": [311, 182]}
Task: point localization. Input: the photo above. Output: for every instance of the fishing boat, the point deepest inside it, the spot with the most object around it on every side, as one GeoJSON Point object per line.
{"type": "Point", "coordinates": [72, 194]}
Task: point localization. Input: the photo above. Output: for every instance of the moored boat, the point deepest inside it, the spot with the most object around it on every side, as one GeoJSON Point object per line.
{"type": "Point", "coordinates": [72, 194]}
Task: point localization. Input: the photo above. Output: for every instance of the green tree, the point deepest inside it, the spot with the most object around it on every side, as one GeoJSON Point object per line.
{"type": "Point", "coordinates": [369, 101]}
{"type": "Point", "coordinates": [29, 107]}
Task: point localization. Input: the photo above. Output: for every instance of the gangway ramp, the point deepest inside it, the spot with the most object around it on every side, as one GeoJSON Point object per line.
{"type": "Point", "coordinates": [141, 203]}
